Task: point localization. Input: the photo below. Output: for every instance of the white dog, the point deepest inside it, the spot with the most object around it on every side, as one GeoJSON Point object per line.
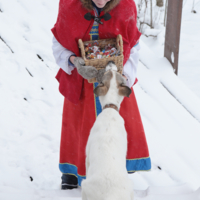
{"type": "Point", "coordinates": [106, 174]}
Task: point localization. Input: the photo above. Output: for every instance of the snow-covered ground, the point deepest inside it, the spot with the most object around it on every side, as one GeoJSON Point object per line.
{"type": "Point", "coordinates": [31, 109]}
{"type": "Point", "coordinates": [189, 65]}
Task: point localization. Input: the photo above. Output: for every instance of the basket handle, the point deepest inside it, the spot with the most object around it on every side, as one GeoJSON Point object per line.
{"type": "Point", "coordinates": [81, 46]}
{"type": "Point", "coordinates": [120, 43]}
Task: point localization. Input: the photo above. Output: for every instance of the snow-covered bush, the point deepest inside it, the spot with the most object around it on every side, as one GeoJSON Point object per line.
{"type": "Point", "coordinates": [151, 16]}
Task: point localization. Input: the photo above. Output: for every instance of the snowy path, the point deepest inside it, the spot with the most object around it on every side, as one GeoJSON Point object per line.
{"type": "Point", "coordinates": [182, 192]}
{"type": "Point", "coordinates": [31, 112]}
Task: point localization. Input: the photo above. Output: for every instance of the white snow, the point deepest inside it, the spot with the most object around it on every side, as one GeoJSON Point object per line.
{"type": "Point", "coordinates": [31, 108]}
{"type": "Point", "coordinates": [189, 62]}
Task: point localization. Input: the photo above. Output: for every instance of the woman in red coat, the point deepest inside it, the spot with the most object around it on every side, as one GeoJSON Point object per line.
{"type": "Point", "coordinates": [92, 20]}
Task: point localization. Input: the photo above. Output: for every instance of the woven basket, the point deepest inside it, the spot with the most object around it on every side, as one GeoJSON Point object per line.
{"type": "Point", "coordinates": [102, 62]}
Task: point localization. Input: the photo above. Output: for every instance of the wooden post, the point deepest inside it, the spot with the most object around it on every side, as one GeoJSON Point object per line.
{"type": "Point", "coordinates": [172, 37]}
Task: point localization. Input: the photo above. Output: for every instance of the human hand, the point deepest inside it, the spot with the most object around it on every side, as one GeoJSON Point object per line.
{"type": "Point", "coordinates": [72, 59]}
{"type": "Point", "coordinates": [87, 72]}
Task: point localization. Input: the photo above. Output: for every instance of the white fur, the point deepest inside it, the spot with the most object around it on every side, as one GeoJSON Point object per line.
{"type": "Point", "coordinates": [106, 174]}
{"type": "Point", "coordinates": [111, 66]}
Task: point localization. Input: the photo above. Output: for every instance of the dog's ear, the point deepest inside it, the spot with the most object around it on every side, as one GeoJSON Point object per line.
{"type": "Point", "coordinates": [124, 90]}
{"type": "Point", "coordinates": [101, 90]}
{"type": "Point", "coordinates": [103, 87]}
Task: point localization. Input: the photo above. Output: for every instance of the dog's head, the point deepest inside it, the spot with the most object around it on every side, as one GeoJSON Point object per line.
{"type": "Point", "coordinates": [118, 81]}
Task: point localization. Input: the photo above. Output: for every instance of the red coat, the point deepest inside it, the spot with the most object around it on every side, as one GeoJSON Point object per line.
{"type": "Point", "coordinates": [80, 106]}
{"type": "Point", "coordinates": [71, 26]}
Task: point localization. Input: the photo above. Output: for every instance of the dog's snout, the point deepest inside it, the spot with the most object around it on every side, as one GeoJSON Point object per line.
{"type": "Point", "coordinates": [111, 66]}
{"type": "Point", "coordinates": [111, 62]}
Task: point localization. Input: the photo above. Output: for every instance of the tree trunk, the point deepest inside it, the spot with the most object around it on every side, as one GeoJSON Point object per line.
{"type": "Point", "coordinates": [159, 3]}
{"type": "Point", "coordinates": [172, 35]}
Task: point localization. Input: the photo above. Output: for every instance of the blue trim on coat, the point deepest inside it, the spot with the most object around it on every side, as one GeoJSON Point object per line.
{"type": "Point", "coordinates": [67, 168]}
{"type": "Point", "coordinates": [97, 102]}
{"type": "Point", "coordinates": [141, 164]}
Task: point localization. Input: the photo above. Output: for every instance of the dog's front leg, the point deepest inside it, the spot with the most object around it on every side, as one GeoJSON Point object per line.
{"type": "Point", "coordinates": [84, 196]}
{"type": "Point", "coordinates": [132, 195]}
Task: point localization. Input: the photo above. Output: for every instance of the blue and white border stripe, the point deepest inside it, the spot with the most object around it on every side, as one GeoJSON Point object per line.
{"type": "Point", "coordinates": [132, 165]}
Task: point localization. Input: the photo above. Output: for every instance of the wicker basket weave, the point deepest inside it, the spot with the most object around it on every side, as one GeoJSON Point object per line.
{"type": "Point", "coordinates": [102, 62]}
